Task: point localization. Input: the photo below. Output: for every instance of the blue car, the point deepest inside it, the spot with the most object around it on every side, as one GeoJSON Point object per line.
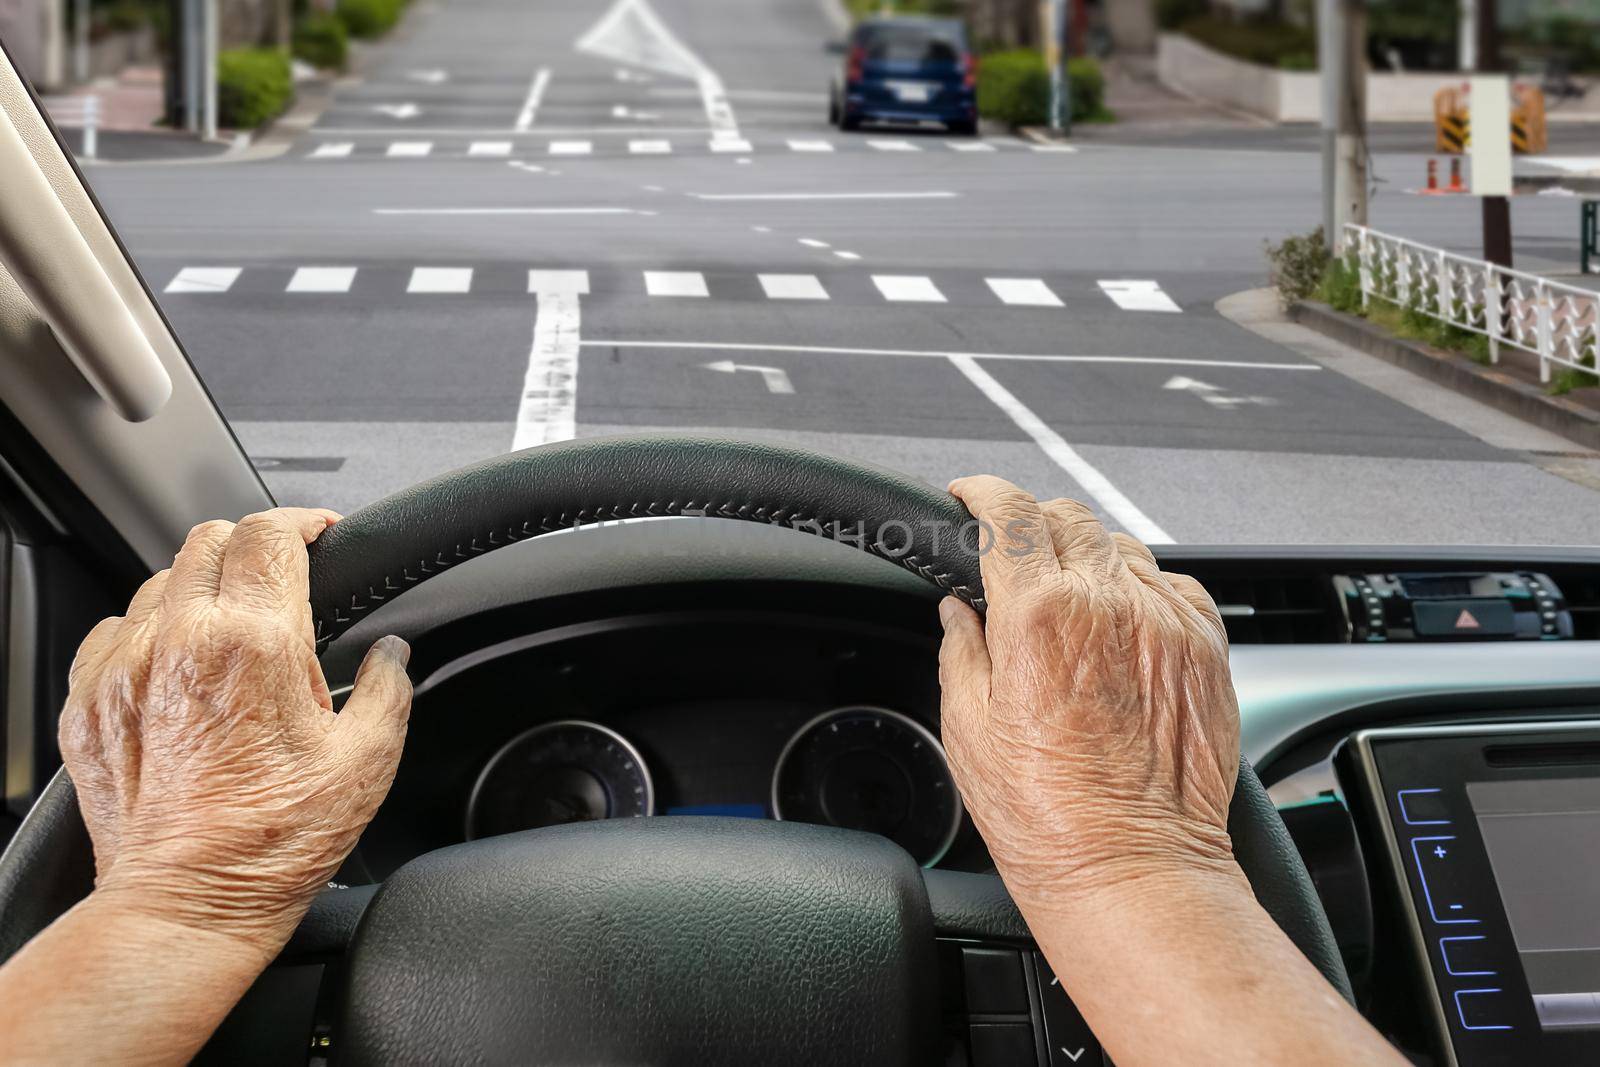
{"type": "Point", "coordinates": [907, 70]}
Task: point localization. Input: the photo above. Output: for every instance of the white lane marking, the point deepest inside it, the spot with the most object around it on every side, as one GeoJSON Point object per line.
{"type": "Point", "coordinates": [410, 149]}
{"type": "Point", "coordinates": [845, 255]}
{"type": "Point", "coordinates": [429, 77]}
{"type": "Point", "coordinates": [812, 242]}
{"type": "Point", "coordinates": [1052, 148]}
{"type": "Point", "coordinates": [549, 406]}
{"type": "Point", "coordinates": [631, 32]}
{"type": "Point", "coordinates": [893, 146]}
{"type": "Point", "coordinates": [1027, 292]}
{"type": "Point", "coordinates": [811, 146]}
{"type": "Point", "coordinates": [908, 288]}
{"type": "Point", "coordinates": [1139, 295]}
{"type": "Point", "coordinates": [776, 379]}
{"type": "Point", "coordinates": [675, 283]}
{"type": "Point", "coordinates": [505, 211]}
{"type": "Point", "coordinates": [333, 150]}
{"type": "Point", "coordinates": [762, 229]}
{"type": "Point", "coordinates": [1099, 488]}
{"type": "Point", "coordinates": [489, 148]}
{"type": "Point", "coordinates": [729, 144]}
{"type": "Point", "coordinates": [407, 110]}
{"type": "Point", "coordinates": [203, 280]}
{"type": "Point", "coordinates": [971, 146]}
{"type": "Point", "coordinates": [792, 287]}
{"type": "Point", "coordinates": [321, 280]}
{"type": "Point", "coordinates": [559, 281]}
{"type": "Point", "coordinates": [1214, 394]}
{"type": "Point", "coordinates": [825, 196]}
{"type": "Point", "coordinates": [440, 280]}
{"type": "Point", "coordinates": [530, 106]}
{"type": "Point", "coordinates": [756, 346]}
{"type": "Point", "coordinates": [650, 148]}
{"type": "Point", "coordinates": [571, 148]}
{"type": "Point", "coordinates": [531, 168]}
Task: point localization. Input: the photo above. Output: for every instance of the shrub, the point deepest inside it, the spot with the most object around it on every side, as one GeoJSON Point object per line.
{"type": "Point", "coordinates": [1298, 265]}
{"type": "Point", "coordinates": [1255, 40]}
{"type": "Point", "coordinates": [320, 39]}
{"type": "Point", "coordinates": [370, 18]}
{"type": "Point", "coordinates": [1014, 88]}
{"type": "Point", "coordinates": [1566, 379]}
{"type": "Point", "coordinates": [253, 85]}
{"type": "Point", "coordinates": [1340, 287]}
{"type": "Point", "coordinates": [1170, 14]}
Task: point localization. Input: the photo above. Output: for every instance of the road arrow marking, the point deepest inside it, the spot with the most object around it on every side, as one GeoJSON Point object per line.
{"type": "Point", "coordinates": [428, 77]}
{"type": "Point", "coordinates": [1213, 394]}
{"type": "Point", "coordinates": [399, 111]}
{"type": "Point", "coordinates": [631, 32]}
{"type": "Point", "coordinates": [776, 378]}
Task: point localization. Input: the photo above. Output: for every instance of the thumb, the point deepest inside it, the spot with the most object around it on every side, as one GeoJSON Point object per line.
{"type": "Point", "coordinates": [379, 707]}
{"type": "Point", "coordinates": [963, 660]}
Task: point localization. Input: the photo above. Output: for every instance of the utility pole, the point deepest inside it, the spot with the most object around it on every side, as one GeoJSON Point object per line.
{"type": "Point", "coordinates": [80, 41]}
{"type": "Point", "coordinates": [1053, 15]}
{"type": "Point", "coordinates": [1342, 58]}
{"type": "Point", "coordinates": [1496, 209]}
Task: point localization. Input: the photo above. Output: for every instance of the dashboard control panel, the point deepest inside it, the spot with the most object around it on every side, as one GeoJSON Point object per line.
{"type": "Point", "coordinates": [1491, 834]}
{"type": "Point", "coordinates": [1455, 606]}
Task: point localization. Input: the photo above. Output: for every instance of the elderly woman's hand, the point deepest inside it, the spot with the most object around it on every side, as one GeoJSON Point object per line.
{"type": "Point", "coordinates": [218, 785]}
{"type": "Point", "coordinates": [1091, 723]}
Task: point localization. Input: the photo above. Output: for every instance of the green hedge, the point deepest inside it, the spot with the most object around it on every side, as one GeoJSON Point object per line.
{"type": "Point", "coordinates": [1014, 88]}
{"type": "Point", "coordinates": [370, 18]}
{"type": "Point", "coordinates": [1257, 40]}
{"type": "Point", "coordinates": [253, 85]}
{"type": "Point", "coordinates": [320, 39]}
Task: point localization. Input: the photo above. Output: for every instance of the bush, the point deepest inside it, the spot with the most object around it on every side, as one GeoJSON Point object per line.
{"type": "Point", "coordinates": [1014, 88]}
{"type": "Point", "coordinates": [320, 39]}
{"type": "Point", "coordinates": [253, 85]}
{"type": "Point", "coordinates": [1170, 14]}
{"type": "Point", "coordinates": [370, 18]}
{"type": "Point", "coordinates": [1298, 265]}
{"type": "Point", "coordinates": [1340, 288]}
{"type": "Point", "coordinates": [1254, 40]}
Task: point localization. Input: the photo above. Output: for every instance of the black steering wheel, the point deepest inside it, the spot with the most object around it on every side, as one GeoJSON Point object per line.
{"type": "Point", "coordinates": [716, 941]}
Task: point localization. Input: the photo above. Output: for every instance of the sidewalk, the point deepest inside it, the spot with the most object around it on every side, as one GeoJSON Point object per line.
{"type": "Point", "coordinates": [131, 107]}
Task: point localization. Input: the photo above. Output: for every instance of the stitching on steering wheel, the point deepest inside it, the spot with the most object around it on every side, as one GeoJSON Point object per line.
{"type": "Point", "coordinates": [328, 628]}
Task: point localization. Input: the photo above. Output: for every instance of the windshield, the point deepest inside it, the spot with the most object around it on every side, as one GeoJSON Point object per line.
{"type": "Point", "coordinates": [450, 228]}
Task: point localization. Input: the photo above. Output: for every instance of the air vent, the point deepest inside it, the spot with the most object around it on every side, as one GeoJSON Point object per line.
{"type": "Point", "coordinates": [1287, 610]}
{"type": "Point", "coordinates": [1582, 593]}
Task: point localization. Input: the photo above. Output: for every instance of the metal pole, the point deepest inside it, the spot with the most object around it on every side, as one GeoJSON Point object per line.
{"type": "Point", "coordinates": [1467, 34]}
{"type": "Point", "coordinates": [1496, 209]}
{"type": "Point", "coordinates": [80, 41]}
{"type": "Point", "coordinates": [191, 65]}
{"type": "Point", "coordinates": [209, 70]}
{"type": "Point", "coordinates": [1055, 59]}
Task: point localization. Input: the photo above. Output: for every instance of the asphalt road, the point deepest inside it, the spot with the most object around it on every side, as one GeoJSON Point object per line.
{"type": "Point", "coordinates": [529, 221]}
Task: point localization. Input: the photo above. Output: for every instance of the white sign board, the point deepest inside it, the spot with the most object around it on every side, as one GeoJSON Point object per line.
{"type": "Point", "coordinates": [1491, 136]}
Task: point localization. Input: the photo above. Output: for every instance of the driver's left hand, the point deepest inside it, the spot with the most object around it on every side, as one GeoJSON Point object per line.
{"type": "Point", "coordinates": [217, 783]}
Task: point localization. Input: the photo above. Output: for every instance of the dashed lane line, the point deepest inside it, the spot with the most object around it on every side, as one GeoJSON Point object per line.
{"type": "Point", "coordinates": [409, 149]}
{"type": "Point", "coordinates": [321, 280]}
{"type": "Point", "coordinates": [203, 280]}
{"type": "Point", "coordinates": [908, 288]}
{"type": "Point", "coordinates": [1027, 292]}
{"type": "Point", "coordinates": [440, 280]}
{"type": "Point", "coordinates": [675, 283]}
{"type": "Point", "coordinates": [1139, 295]}
{"type": "Point", "coordinates": [792, 287]}
{"type": "Point", "coordinates": [530, 106]}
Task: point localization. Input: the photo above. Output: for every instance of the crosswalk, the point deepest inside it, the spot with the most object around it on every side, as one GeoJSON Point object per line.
{"type": "Point", "coordinates": [662, 146]}
{"type": "Point", "coordinates": [852, 286]}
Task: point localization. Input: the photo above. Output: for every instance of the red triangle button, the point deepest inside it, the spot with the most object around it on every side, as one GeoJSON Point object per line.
{"type": "Point", "coordinates": [1465, 621]}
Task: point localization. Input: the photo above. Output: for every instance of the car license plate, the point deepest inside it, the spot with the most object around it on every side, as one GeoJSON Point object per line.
{"type": "Point", "coordinates": [911, 92]}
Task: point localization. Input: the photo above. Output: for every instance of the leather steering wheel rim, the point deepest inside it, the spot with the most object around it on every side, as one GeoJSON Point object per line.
{"type": "Point", "coordinates": [382, 550]}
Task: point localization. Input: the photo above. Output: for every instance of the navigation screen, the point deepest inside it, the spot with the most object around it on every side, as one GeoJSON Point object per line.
{"type": "Point", "coordinates": [1543, 842]}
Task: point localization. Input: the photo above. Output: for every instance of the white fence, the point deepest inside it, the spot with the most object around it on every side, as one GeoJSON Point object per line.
{"type": "Point", "coordinates": [79, 111]}
{"type": "Point", "coordinates": [1558, 323]}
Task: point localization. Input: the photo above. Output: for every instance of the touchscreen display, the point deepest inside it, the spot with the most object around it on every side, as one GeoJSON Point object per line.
{"type": "Point", "coordinates": [1543, 842]}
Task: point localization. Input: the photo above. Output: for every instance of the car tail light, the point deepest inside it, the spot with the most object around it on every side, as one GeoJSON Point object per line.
{"type": "Point", "coordinates": [969, 70]}
{"type": "Point", "coordinates": [852, 70]}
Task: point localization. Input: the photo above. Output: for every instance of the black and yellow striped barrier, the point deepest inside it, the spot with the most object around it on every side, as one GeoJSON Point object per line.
{"type": "Point", "coordinates": [1452, 120]}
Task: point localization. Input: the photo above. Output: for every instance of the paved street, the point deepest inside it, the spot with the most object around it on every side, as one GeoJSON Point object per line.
{"type": "Point", "coordinates": [524, 222]}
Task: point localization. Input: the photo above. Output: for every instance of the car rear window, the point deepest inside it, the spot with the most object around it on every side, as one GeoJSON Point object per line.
{"type": "Point", "coordinates": [911, 44]}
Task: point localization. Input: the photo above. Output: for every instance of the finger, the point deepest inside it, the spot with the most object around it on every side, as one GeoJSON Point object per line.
{"type": "Point", "coordinates": [379, 707]}
{"type": "Point", "coordinates": [1081, 539]}
{"type": "Point", "coordinates": [266, 564]}
{"type": "Point", "coordinates": [197, 570]}
{"type": "Point", "coordinates": [1141, 561]}
{"type": "Point", "coordinates": [1015, 551]}
{"type": "Point", "coordinates": [1198, 599]}
{"type": "Point", "coordinates": [964, 665]}
{"type": "Point", "coordinates": [146, 603]}
{"type": "Point", "coordinates": [94, 649]}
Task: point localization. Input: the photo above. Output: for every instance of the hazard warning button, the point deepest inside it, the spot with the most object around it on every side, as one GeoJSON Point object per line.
{"type": "Point", "coordinates": [1463, 618]}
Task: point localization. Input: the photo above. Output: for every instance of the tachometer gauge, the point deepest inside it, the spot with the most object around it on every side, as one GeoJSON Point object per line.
{"type": "Point", "coordinates": [871, 769]}
{"type": "Point", "coordinates": [559, 772]}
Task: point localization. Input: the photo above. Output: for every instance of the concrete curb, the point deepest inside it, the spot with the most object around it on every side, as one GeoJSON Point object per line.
{"type": "Point", "coordinates": [1484, 384]}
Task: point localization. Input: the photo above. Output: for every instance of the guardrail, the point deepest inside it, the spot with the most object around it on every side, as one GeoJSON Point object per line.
{"type": "Point", "coordinates": [1558, 323]}
{"type": "Point", "coordinates": [80, 111]}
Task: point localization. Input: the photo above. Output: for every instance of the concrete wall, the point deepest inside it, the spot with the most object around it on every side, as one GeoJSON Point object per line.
{"type": "Point", "coordinates": [1295, 96]}
{"type": "Point", "coordinates": [32, 32]}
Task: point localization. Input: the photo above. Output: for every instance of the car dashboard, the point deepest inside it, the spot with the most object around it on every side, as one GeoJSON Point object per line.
{"type": "Point", "coordinates": [688, 667]}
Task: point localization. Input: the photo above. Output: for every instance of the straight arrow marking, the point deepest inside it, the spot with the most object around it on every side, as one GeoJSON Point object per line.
{"type": "Point", "coordinates": [776, 378]}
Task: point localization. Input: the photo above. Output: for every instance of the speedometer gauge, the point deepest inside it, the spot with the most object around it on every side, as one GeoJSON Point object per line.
{"type": "Point", "coordinates": [870, 769]}
{"type": "Point", "coordinates": [559, 772]}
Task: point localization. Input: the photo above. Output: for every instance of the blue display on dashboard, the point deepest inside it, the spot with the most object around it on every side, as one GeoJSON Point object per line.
{"type": "Point", "coordinates": [734, 811]}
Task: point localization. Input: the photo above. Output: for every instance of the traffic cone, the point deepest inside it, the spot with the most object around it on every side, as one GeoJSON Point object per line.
{"type": "Point", "coordinates": [1455, 177]}
{"type": "Point", "coordinates": [1433, 175]}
